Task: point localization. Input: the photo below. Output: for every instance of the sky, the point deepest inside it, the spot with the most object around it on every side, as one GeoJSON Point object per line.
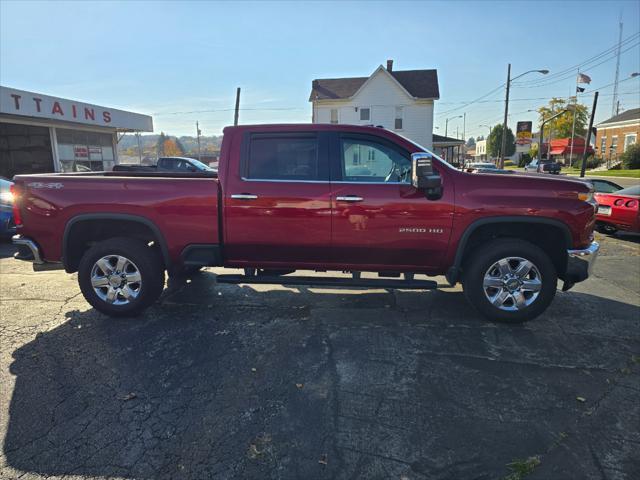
{"type": "Point", "coordinates": [182, 61]}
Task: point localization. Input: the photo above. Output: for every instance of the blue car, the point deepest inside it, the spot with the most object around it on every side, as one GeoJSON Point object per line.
{"type": "Point", "coordinates": [7, 227]}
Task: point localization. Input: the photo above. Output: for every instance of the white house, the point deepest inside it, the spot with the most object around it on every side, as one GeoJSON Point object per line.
{"type": "Point", "coordinates": [401, 101]}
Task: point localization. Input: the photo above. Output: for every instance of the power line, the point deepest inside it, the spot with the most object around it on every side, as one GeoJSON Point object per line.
{"type": "Point", "coordinates": [586, 70]}
{"type": "Point", "coordinates": [573, 68]}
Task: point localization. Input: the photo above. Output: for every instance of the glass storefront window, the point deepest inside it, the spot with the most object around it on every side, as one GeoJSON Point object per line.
{"type": "Point", "coordinates": [81, 151]}
{"type": "Point", "coordinates": [24, 149]}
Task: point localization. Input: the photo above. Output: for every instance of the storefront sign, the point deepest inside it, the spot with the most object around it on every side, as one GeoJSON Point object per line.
{"type": "Point", "coordinates": [29, 104]}
{"type": "Point", "coordinates": [523, 133]}
{"type": "Point", "coordinates": [80, 152]}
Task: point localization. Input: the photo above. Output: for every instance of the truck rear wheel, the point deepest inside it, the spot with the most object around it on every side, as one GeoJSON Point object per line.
{"type": "Point", "coordinates": [510, 280]}
{"type": "Point", "coordinates": [121, 276]}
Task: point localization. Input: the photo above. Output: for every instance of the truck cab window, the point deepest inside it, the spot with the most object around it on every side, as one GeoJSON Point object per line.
{"type": "Point", "coordinates": [283, 158]}
{"type": "Point", "coordinates": [369, 161]}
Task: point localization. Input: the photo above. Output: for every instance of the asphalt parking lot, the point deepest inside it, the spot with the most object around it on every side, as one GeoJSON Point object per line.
{"type": "Point", "coordinates": [222, 381]}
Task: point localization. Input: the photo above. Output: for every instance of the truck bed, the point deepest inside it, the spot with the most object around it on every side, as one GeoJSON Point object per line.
{"type": "Point", "coordinates": [182, 206]}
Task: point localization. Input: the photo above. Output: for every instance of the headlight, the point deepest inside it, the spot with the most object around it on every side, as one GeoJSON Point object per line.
{"type": "Point", "coordinates": [6, 198]}
{"type": "Point", "coordinates": [586, 197]}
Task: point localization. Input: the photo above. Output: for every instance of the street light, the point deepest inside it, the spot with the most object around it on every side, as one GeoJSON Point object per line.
{"type": "Point", "coordinates": [542, 130]}
{"type": "Point", "coordinates": [488, 126]}
{"type": "Point", "coordinates": [506, 108]}
{"type": "Point", "coordinates": [446, 123]}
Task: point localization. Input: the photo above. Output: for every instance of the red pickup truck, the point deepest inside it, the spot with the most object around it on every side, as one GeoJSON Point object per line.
{"type": "Point", "coordinates": [312, 197]}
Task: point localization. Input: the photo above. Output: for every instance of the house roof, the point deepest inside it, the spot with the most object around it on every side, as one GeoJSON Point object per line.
{"type": "Point", "coordinates": [633, 114]}
{"type": "Point", "coordinates": [440, 139]}
{"type": "Point", "coordinates": [418, 83]}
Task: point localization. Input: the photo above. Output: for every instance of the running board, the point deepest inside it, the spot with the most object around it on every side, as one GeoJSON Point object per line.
{"type": "Point", "coordinates": [329, 281]}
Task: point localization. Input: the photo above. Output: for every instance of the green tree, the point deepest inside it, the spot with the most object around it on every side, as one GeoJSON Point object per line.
{"type": "Point", "coordinates": [471, 142]}
{"type": "Point", "coordinates": [533, 151]}
{"type": "Point", "coordinates": [561, 127]}
{"type": "Point", "coordinates": [494, 142]}
{"type": "Point", "coordinates": [631, 156]}
{"type": "Point", "coordinates": [179, 146]}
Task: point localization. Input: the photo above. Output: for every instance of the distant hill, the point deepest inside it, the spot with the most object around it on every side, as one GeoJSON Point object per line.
{"type": "Point", "coordinates": [128, 144]}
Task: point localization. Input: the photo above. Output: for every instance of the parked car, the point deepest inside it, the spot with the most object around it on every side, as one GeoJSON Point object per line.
{"type": "Point", "coordinates": [604, 186]}
{"type": "Point", "coordinates": [7, 226]}
{"type": "Point", "coordinates": [282, 202]}
{"type": "Point", "coordinates": [543, 166]}
{"type": "Point", "coordinates": [167, 164]}
{"type": "Point", "coordinates": [475, 166]}
{"type": "Point", "coordinates": [619, 210]}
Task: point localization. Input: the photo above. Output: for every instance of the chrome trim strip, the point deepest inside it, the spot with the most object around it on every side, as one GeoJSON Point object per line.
{"type": "Point", "coordinates": [590, 251]}
{"type": "Point", "coordinates": [19, 240]}
{"type": "Point", "coordinates": [349, 198]}
{"type": "Point", "coordinates": [323, 181]}
{"type": "Point", "coordinates": [244, 196]}
{"type": "Point", "coordinates": [282, 181]}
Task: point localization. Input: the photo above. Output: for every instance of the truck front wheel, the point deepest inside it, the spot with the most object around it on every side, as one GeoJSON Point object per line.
{"type": "Point", "coordinates": [121, 276]}
{"type": "Point", "coordinates": [510, 280]}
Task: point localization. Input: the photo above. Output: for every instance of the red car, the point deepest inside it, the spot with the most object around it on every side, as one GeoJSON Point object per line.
{"type": "Point", "coordinates": [619, 210]}
{"type": "Point", "coordinates": [313, 197]}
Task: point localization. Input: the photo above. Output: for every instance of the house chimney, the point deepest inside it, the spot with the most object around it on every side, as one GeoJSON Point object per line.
{"type": "Point", "coordinates": [389, 65]}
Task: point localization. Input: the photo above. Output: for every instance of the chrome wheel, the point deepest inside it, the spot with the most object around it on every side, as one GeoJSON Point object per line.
{"type": "Point", "coordinates": [512, 283]}
{"type": "Point", "coordinates": [116, 279]}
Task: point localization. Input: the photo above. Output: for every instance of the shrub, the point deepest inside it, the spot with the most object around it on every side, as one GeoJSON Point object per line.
{"type": "Point", "coordinates": [509, 163]}
{"type": "Point", "coordinates": [631, 157]}
{"type": "Point", "coordinates": [524, 160]}
{"type": "Point", "coordinates": [592, 162]}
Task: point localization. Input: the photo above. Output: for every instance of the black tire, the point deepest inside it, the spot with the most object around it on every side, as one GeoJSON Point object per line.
{"type": "Point", "coordinates": [147, 262]}
{"type": "Point", "coordinates": [486, 256]}
{"type": "Point", "coordinates": [606, 228]}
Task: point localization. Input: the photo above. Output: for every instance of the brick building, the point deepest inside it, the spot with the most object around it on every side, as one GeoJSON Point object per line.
{"type": "Point", "coordinates": [616, 134]}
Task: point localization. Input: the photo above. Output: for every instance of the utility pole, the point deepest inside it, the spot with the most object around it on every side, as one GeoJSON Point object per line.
{"type": "Point", "coordinates": [235, 118]}
{"type": "Point", "coordinates": [139, 148]}
{"type": "Point", "coordinates": [588, 141]}
{"type": "Point", "coordinates": [573, 126]}
{"type": "Point", "coordinates": [464, 127]}
{"type": "Point", "coordinates": [615, 86]}
{"type": "Point", "coordinates": [506, 113]}
{"type": "Point", "coordinates": [198, 137]}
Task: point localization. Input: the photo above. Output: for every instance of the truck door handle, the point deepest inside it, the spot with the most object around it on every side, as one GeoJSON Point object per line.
{"type": "Point", "coordinates": [244, 196]}
{"type": "Point", "coordinates": [350, 198]}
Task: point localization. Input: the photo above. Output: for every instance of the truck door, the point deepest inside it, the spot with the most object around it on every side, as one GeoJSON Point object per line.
{"type": "Point", "coordinates": [277, 202]}
{"type": "Point", "coordinates": [379, 220]}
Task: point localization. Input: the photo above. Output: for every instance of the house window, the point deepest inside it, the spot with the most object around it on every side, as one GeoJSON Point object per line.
{"type": "Point", "coordinates": [603, 145]}
{"type": "Point", "coordinates": [629, 140]}
{"type": "Point", "coordinates": [614, 145]}
{"type": "Point", "coordinates": [398, 121]}
{"type": "Point", "coordinates": [365, 114]}
{"type": "Point", "coordinates": [334, 115]}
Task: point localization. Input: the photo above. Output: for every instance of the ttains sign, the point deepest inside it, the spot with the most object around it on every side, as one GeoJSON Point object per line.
{"type": "Point", "coordinates": [30, 104]}
{"type": "Point", "coordinates": [523, 133]}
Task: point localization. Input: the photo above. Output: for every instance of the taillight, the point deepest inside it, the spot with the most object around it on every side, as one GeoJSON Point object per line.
{"type": "Point", "coordinates": [631, 204]}
{"type": "Point", "coordinates": [17, 218]}
{"type": "Point", "coordinates": [618, 202]}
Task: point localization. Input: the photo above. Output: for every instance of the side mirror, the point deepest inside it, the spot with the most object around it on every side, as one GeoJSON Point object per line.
{"type": "Point", "coordinates": [423, 176]}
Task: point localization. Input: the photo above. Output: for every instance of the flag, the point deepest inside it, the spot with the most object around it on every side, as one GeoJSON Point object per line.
{"type": "Point", "coordinates": [579, 89]}
{"type": "Point", "coordinates": [582, 78]}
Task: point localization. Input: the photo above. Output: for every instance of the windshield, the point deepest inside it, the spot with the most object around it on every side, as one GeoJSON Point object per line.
{"type": "Point", "coordinates": [635, 190]}
{"type": "Point", "coordinates": [201, 166]}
